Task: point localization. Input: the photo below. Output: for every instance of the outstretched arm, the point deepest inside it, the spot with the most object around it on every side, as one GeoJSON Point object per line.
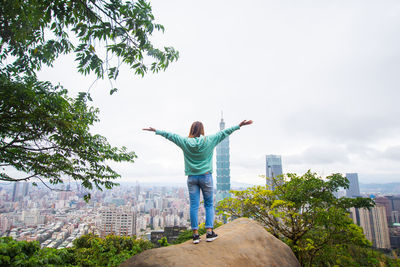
{"type": "Point", "coordinates": [178, 140]}
{"type": "Point", "coordinates": [218, 137]}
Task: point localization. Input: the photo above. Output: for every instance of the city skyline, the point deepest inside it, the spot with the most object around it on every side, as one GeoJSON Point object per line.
{"type": "Point", "coordinates": [57, 218]}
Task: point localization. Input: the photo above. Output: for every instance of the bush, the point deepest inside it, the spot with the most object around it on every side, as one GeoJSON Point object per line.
{"type": "Point", "coordinates": [88, 250]}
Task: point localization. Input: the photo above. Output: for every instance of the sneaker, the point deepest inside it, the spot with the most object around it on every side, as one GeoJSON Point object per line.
{"type": "Point", "coordinates": [211, 236]}
{"type": "Point", "coordinates": [196, 239]}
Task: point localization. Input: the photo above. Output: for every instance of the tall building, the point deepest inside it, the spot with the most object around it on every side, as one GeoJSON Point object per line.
{"type": "Point", "coordinates": [354, 189]}
{"type": "Point", "coordinates": [15, 192]}
{"type": "Point", "coordinates": [394, 202]}
{"type": "Point", "coordinates": [118, 221]}
{"type": "Point", "coordinates": [374, 224]}
{"type": "Point", "coordinates": [137, 190]}
{"type": "Point", "coordinates": [25, 189]}
{"type": "Point", "coordinates": [273, 166]}
{"type": "Point", "coordinates": [383, 201]}
{"type": "Point", "coordinates": [223, 171]}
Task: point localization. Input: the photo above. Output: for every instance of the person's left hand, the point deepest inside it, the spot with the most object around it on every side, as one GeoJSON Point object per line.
{"type": "Point", "coordinates": [150, 129]}
{"type": "Point", "coordinates": [245, 122]}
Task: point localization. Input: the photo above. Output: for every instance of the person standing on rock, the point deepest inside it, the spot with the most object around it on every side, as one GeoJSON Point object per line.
{"type": "Point", "coordinates": [198, 154]}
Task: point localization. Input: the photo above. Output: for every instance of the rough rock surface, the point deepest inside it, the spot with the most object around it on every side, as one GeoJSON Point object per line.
{"type": "Point", "coordinates": [242, 242]}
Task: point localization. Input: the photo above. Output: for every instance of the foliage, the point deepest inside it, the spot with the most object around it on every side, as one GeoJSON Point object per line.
{"type": "Point", "coordinates": [23, 253]}
{"type": "Point", "coordinates": [91, 250]}
{"type": "Point", "coordinates": [35, 33]}
{"type": "Point", "coordinates": [44, 133]}
{"type": "Point", "coordinates": [163, 242]}
{"type": "Point", "coordinates": [88, 250]}
{"type": "Point", "coordinates": [303, 212]}
{"type": "Point", "coordinates": [355, 256]}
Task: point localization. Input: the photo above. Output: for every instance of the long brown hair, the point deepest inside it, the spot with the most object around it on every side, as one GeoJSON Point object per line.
{"type": "Point", "coordinates": [196, 129]}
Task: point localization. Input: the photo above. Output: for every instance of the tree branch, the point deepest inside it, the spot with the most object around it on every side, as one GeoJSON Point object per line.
{"type": "Point", "coordinates": [122, 27]}
{"type": "Point", "coordinates": [35, 149]}
{"type": "Point", "coordinates": [9, 179]}
{"type": "Point", "coordinates": [52, 189]}
{"type": "Point", "coordinates": [105, 13]}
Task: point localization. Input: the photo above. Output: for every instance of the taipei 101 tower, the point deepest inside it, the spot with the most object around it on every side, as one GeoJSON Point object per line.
{"type": "Point", "coordinates": [223, 172]}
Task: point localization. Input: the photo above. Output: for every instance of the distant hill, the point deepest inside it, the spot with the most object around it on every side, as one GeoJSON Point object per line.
{"type": "Point", "coordinates": [389, 188]}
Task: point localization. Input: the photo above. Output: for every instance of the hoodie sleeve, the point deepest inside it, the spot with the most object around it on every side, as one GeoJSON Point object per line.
{"type": "Point", "coordinates": [218, 137]}
{"type": "Point", "coordinates": [177, 139]}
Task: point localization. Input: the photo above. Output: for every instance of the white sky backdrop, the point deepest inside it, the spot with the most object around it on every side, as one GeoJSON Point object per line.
{"type": "Point", "coordinates": [320, 79]}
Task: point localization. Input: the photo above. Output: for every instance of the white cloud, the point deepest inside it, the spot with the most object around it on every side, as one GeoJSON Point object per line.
{"type": "Point", "coordinates": [392, 153]}
{"type": "Point", "coordinates": [319, 155]}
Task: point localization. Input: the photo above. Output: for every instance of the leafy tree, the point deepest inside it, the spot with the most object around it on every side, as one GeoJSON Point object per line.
{"type": "Point", "coordinates": [303, 212]}
{"type": "Point", "coordinates": [44, 133]}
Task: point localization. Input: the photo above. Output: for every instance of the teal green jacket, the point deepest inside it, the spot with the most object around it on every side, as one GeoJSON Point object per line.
{"type": "Point", "coordinates": [198, 151]}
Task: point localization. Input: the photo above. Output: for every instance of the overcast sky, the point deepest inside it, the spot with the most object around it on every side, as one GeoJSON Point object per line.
{"type": "Point", "coordinates": [320, 79]}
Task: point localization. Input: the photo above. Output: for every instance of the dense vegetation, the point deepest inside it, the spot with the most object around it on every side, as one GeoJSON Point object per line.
{"type": "Point", "coordinates": [44, 132]}
{"type": "Point", "coordinates": [88, 250]}
{"type": "Point", "coordinates": [303, 212]}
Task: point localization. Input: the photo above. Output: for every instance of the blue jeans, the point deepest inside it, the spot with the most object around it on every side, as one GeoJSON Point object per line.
{"type": "Point", "coordinates": [205, 183]}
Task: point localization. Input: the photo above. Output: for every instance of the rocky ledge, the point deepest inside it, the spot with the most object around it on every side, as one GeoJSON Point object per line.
{"type": "Point", "coordinates": [242, 242]}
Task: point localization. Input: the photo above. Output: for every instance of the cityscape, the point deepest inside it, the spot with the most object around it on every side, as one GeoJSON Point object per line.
{"type": "Point", "coordinates": [88, 88]}
{"type": "Point", "coordinates": [56, 218]}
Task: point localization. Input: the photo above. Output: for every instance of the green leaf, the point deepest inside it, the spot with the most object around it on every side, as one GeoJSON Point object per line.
{"type": "Point", "coordinates": [112, 91]}
{"type": "Point", "coordinates": [87, 197]}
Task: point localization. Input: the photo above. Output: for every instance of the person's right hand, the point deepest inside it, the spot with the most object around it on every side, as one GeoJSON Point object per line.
{"type": "Point", "coordinates": [245, 122]}
{"type": "Point", "coordinates": [150, 129]}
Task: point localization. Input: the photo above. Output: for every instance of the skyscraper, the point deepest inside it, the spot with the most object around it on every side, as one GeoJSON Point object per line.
{"type": "Point", "coordinates": [223, 171]}
{"type": "Point", "coordinates": [354, 189]}
{"type": "Point", "coordinates": [25, 189]}
{"type": "Point", "coordinates": [394, 202]}
{"type": "Point", "coordinates": [273, 166]}
{"type": "Point", "coordinates": [374, 224]}
{"type": "Point", "coordinates": [15, 192]}
{"type": "Point", "coordinates": [137, 190]}
{"type": "Point", "coordinates": [383, 201]}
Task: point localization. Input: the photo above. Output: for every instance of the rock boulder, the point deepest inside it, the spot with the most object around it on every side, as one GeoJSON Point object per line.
{"type": "Point", "coordinates": [242, 242]}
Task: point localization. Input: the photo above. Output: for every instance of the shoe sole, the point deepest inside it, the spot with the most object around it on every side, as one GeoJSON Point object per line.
{"type": "Point", "coordinates": [196, 241]}
{"type": "Point", "coordinates": [211, 239]}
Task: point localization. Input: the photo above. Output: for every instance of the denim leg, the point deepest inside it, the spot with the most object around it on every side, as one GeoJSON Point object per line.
{"type": "Point", "coordinates": [206, 185]}
{"type": "Point", "coordinates": [194, 196]}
